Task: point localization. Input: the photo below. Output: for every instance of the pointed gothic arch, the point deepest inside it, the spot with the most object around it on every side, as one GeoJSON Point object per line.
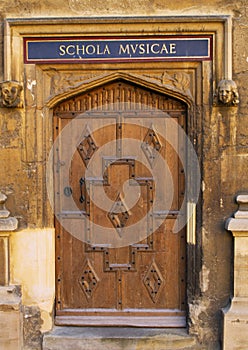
{"type": "Point", "coordinates": [180, 92]}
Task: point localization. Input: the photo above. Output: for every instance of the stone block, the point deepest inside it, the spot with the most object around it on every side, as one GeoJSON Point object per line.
{"type": "Point", "coordinates": [10, 330]}
{"type": "Point", "coordinates": [235, 325]}
{"type": "Point", "coordinates": [10, 319]}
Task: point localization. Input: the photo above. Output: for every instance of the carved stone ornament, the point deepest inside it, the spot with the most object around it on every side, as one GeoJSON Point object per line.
{"type": "Point", "coordinates": [10, 92]}
{"type": "Point", "coordinates": [227, 93]}
{"type": "Point", "coordinates": [178, 82]}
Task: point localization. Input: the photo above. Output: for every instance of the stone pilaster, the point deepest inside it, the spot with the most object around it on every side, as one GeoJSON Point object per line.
{"type": "Point", "coordinates": [10, 297]}
{"type": "Point", "coordinates": [236, 317]}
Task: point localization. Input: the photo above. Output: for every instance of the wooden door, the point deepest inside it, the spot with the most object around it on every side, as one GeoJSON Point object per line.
{"type": "Point", "coordinates": [121, 263]}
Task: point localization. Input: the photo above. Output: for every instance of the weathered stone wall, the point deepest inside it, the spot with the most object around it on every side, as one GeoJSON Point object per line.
{"type": "Point", "coordinates": [74, 8]}
{"type": "Point", "coordinates": [224, 161]}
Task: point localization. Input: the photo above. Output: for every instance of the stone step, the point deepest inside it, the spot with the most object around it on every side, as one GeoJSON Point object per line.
{"type": "Point", "coordinates": [113, 338]}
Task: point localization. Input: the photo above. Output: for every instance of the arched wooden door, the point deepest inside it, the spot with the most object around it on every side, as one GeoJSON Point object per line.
{"type": "Point", "coordinates": [121, 263]}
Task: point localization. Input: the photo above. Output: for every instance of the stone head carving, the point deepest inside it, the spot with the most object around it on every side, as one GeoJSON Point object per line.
{"type": "Point", "coordinates": [10, 93]}
{"type": "Point", "coordinates": [228, 93]}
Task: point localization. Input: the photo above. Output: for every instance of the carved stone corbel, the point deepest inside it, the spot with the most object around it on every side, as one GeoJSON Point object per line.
{"type": "Point", "coordinates": [227, 94]}
{"type": "Point", "coordinates": [10, 94]}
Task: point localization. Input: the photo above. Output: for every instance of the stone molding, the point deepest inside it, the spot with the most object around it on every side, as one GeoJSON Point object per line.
{"type": "Point", "coordinates": [7, 223]}
{"type": "Point", "coordinates": [239, 223]}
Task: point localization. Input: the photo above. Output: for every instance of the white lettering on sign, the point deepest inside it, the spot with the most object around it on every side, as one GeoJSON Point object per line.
{"type": "Point", "coordinates": [72, 50]}
{"type": "Point", "coordinates": [127, 49]}
{"type": "Point", "coordinates": [143, 49]}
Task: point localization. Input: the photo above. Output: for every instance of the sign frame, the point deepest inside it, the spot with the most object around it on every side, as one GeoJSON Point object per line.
{"type": "Point", "coordinates": [106, 49]}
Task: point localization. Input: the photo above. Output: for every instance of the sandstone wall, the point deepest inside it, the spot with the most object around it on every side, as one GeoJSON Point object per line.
{"type": "Point", "coordinates": [224, 164]}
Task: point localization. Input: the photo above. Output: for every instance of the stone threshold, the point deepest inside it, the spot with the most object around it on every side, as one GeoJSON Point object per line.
{"type": "Point", "coordinates": [117, 338]}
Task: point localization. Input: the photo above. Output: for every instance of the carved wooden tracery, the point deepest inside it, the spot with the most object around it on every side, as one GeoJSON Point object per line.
{"type": "Point", "coordinates": [107, 97]}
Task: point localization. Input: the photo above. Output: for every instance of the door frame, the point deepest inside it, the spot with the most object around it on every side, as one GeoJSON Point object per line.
{"type": "Point", "coordinates": [48, 84]}
{"type": "Point", "coordinates": [164, 318]}
{"type": "Point", "coordinates": [165, 321]}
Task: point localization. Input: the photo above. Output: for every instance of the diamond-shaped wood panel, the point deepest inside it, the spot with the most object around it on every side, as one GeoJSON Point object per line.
{"type": "Point", "coordinates": [153, 281]}
{"type": "Point", "coordinates": [119, 214]}
{"type": "Point", "coordinates": [88, 280]}
{"type": "Point", "coordinates": [151, 146]}
{"type": "Point", "coordinates": [87, 147]}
